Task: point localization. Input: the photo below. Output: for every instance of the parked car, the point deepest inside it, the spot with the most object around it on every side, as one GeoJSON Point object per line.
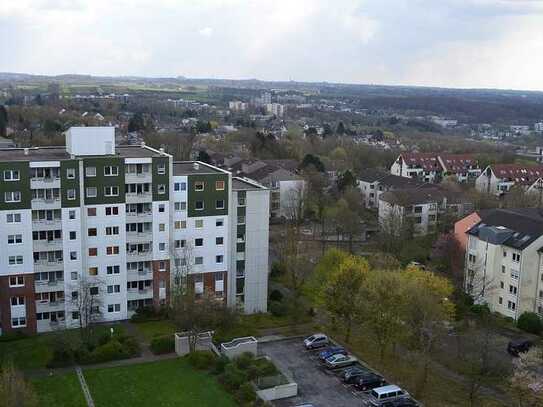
{"type": "Point", "coordinates": [316, 341]}
{"type": "Point", "coordinates": [332, 350]}
{"type": "Point", "coordinates": [519, 346]}
{"type": "Point", "coordinates": [339, 360]}
{"type": "Point", "coordinates": [409, 402]}
{"type": "Point", "coordinates": [369, 381]}
{"type": "Point", "coordinates": [351, 374]}
{"type": "Point", "coordinates": [381, 395]}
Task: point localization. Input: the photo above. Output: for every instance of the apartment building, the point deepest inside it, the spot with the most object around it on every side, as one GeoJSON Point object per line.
{"type": "Point", "coordinates": [498, 179]}
{"type": "Point", "coordinates": [104, 219]}
{"type": "Point", "coordinates": [504, 261]}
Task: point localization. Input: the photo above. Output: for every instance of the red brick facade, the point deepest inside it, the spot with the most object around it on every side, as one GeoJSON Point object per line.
{"type": "Point", "coordinates": [158, 276]}
{"type": "Point", "coordinates": [6, 292]}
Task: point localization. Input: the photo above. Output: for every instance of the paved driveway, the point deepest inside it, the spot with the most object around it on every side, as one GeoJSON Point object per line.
{"type": "Point", "coordinates": [316, 385]}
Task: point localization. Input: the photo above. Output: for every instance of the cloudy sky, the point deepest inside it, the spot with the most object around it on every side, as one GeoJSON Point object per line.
{"type": "Point", "coordinates": [453, 43]}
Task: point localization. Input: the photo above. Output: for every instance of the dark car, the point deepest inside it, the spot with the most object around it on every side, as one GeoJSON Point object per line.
{"type": "Point", "coordinates": [520, 346]}
{"type": "Point", "coordinates": [332, 350]}
{"type": "Point", "coordinates": [351, 375]}
{"type": "Point", "coordinates": [401, 403]}
{"type": "Point", "coordinates": [369, 381]}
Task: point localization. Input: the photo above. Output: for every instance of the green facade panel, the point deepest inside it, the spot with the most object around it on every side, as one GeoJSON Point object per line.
{"type": "Point", "coordinates": [209, 196]}
{"type": "Point", "coordinates": [161, 178]}
{"type": "Point", "coordinates": [69, 183]}
{"type": "Point", "coordinates": [22, 185]}
{"type": "Point", "coordinates": [100, 181]}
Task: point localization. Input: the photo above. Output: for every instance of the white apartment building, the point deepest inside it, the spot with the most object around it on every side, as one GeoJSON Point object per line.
{"type": "Point", "coordinates": [504, 261]}
{"type": "Point", "coordinates": [498, 179]}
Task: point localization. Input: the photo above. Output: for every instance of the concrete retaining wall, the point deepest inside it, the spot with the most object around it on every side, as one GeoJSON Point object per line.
{"type": "Point", "coordinates": [278, 392]}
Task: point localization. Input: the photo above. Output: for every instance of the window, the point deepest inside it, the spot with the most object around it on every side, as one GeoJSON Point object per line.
{"type": "Point", "coordinates": [183, 186]}
{"type": "Point", "coordinates": [17, 301]}
{"type": "Point", "coordinates": [73, 255]}
{"type": "Point", "coordinates": [511, 305]}
{"type": "Point", "coordinates": [113, 289]}
{"type": "Point", "coordinates": [92, 232]}
{"type": "Point", "coordinates": [112, 210]}
{"type": "Point", "coordinates": [111, 171]}
{"type": "Point", "coordinates": [471, 258]}
{"type": "Point", "coordinates": [162, 247]}
{"type": "Point", "coordinates": [219, 204]}
{"type": "Point", "coordinates": [73, 235]}
{"type": "Point", "coordinates": [13, 218]}
{"type": "Point", "coordinates": [114, 308]}
{"type": "Point", "coordinates": [500, 300]}
{"type": "Point", "coordinates": [70, 194]}
{"type": "Point", "coordinates": [161, 169]}
{"type": "Point", "coordinates": [12, 196]}
{"type": "Point", "coordinates": [219, 223]}
{"type": "Point", "coordinates": [16, 281]}
{"type": "Point", "coordinates": [70, 173]}
{"type": "Point", "coordinates": [91, 211]}
{"type": "Point", "coordinates": [241, 220]}
{"type": "Point", "coordinates": [503, 269]}
{"type": "Point", "coordinates": [75, 315]}
{"type": "Point", "coordinates": [199, 185]}
{"type": "Point", "coordinates": [93, 291]}
{"type": "Point", "coordinates": [504, 253]}
{"type": "Point", "coordinates": [93, 251]}
{"type": "Point", "coordinates": [219, 185]}
{"type": "Point", "coordinates": [180, 224]}
{"type": "Point", "coordinates": [514, 274]}
{"type": "Point", "coordinates": [199, 205]}
{"type": "Point", "coordinates": [219, 241]}
{"type": "Point", "coordinates": [180, 243]}
{"type": "Point", "coordinates": [199, 260]}
{"type": "Point", "coordinates": [513, 290]}
{"type": "Point", "coordinates": [91, 192]}
{"type": "Point", "coordinates": [111, 250]}
{"type": "Point", "coordinates": [199, 223]}
{"type": "Point", "coordinates": [180, 186]}
{"type": "Point", "coordinates": [113, 269]}
{"type": "Point", "coordinates": [515, 257]}
{"type": "Point", "coordinates": [161, 208]}
{"type": "Point", "coordinates": [112, 230]}
{"type": "Point", "coordinates": [180, 206]}
{"type": "Point", "coordinates": [71, 214]}
{"type": "Point", "coordinates": [15, 239]}
{"type": "Point", "coordinates": [111, 191]}
{"type": "Point", "coordinates": [161, 189]}
{"type": "Point", "coordinates": [161, 227]}
{"type": "Point", "coordinates": [198, 242]}
{"type": "Point", "coordinates": [11, 175]}
{"type": "Point", "coordinates": [161, 266]}
{"type": "Point", "coordinates": [18, 322]}
{"type": "Point", "coordinates": [90, 171]}
{"type": "Point", "coordinates": [502, 285]}
{"type": "Point", "coordinates": [73, 275]}
{"type": "Point", "coordinates": [219, 258]}
{"type": "Point", "coordinates": [15, 260]}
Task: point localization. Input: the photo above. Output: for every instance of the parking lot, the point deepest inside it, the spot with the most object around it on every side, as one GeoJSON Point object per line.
{"type": "Point", "coordinates": [316, 385]}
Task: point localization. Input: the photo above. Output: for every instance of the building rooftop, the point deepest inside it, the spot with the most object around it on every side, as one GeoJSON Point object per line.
{"type": "Point", "coordinates": [385, 178]}
{"type": "Point", "coordinates": [195, 167]}
{"type": "Point", "coordinates": [521, 174]}
{"type": "Point", "coordinates": [516, 228]}
{"type": "Point", "coordinates": [243, 184]}
{"type": "Point", "coordinates": [417, 196]}
{"type": "Point", "coordinates": [427, 161]}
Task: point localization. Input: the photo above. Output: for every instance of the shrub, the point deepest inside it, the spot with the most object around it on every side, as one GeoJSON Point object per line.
{"type": "Point", "coordinates": [245, 394]}
{"type": "Point", "coordinates": [245, 360]}
{"type": "Point", "coordinates": [480, 309]}
{"type": "Point", "coordinates": [163, 344]}
{"type": "Point", "coordinates": [278, 309]}
{"type": "Point", "coordinates": [201, 359]}
{"type": "Point", "coordinates": [233, 377]}
{"type": "Point", "coordinates": [277, 269]}
{"type": "Point", "coordinates": [220, 365]}
{"type": "Point", "coordinates": [131, 346]}
{"type": "Point", "coordinates": [276, 295]}
{"type": "Point", "coordinates": [530, 322]}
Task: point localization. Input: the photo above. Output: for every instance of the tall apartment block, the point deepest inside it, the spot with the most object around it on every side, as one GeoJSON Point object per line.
{"type": "Point", "coordinates": [115, 221]}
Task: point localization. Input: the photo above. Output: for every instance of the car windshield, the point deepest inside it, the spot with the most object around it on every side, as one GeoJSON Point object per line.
{"type": "Point", "coordinates": [311, 338]}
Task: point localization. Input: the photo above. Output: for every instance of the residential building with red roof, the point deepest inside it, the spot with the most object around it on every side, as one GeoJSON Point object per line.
{"type": "Point", "coordinates": [498, 179]}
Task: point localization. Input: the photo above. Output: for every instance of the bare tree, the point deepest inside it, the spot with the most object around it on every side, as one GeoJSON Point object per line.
{"type": "Point", "coordinates": [87, 302]}
{"type": "Point", "coordinates": [478, 285]}
{"type": "Point", "coordinates": [14, 390]}
{"type": "Point", "coordinates": [527, 378]}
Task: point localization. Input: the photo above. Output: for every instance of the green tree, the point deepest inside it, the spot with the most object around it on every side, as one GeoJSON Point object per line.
{"type": "Point", "coordinates": [340, 130]}
{"type": "Point", "coordinates": [136, 122]}
{"type": "Point", "coordinates": [346, 180]}
{"type": "Point", "coordinates": [203, 156]}
{"type": "Point", "coordinates": [3, 121]}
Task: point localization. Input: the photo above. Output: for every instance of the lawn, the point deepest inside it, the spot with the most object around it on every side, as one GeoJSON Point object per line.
{"type": "Point", "coordinates": [160, 384]}
{"type": "Point", "coordinates": [150, 329]}
{"type": "Point", "coordinates": [61, 391]}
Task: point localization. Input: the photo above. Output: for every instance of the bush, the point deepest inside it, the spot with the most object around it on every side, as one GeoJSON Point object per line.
{"type": "Point", "coordinates": [233, 377]}
{"type": "Point", "coordinates": [163, 344]}
{"type": "Point", "coordinates": [148, 314]}
{"type": "Point", "coordinates": [220, 365]}
{"type": "Point", "coordinates": [201, 359]}
{"type": "Point", "coordinates": [277, 269]}
{"type": "Point", "coordinates": [276, 295]}
{"type": "Point", "coordinates": [530, 322]}
{"type": "Point", "coordinates": [480, 309]}
{"type": "Point", "coordinates": [245, 360]}
{"type": "Point", "coordinates": [278, 309]}
{"type": "Point", "coordinates": [245, 394]}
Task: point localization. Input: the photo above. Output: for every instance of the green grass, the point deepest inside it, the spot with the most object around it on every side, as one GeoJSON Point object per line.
{"type": "Point", "coordinates": [158, 384]}
{"type": "Point", "coordinates": [150, 329]}
{"type": "Point", "coordinates": [60, 391]}
{"type": "Point", "coordinates": [32, 352]}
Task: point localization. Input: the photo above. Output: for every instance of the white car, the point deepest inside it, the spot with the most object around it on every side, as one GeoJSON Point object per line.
{"type": "Point", "coordinates": [339, 360]}
{"type": "Point", "coordinates": [316, 341]}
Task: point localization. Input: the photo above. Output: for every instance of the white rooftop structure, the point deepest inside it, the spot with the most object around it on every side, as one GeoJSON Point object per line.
{"type": "Point", "coordinates": [90, 140]}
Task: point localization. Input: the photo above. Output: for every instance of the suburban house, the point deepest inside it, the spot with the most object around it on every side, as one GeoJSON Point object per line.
{"type": "Point", "coordinates": [121, 222]}
{"type": "Point", "coordinates": [372, 183]}
{"type": "Point", "coordinates": [504, 261]}
{"type": "Point", "coordinates": [463, 166]}
{"type": "Point", "coordinates": [423, 207]}
{"type": "Point", "coordinates": [498, 179]}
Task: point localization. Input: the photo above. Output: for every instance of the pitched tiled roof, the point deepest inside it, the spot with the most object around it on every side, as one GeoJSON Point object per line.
{"type": "Point", "coordinates": [520, 174]}
{"type": "Point", "coordinates": [427, 161]}
{"type": "Point", "coordinates": [457, 163]}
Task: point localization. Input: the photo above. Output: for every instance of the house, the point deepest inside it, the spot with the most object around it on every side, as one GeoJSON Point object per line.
{"type": "Point", "coordinates": [498, 179]}
{"type": "Point", "coordinates": [372, 183]}
{"type": "Point", "coordinates": [424, 166]}
{"type": "Point", "coordinates": [503, 261]}
{"type": "Point", "coordinates": [422, 207]}
{"type": "Point", "coordinates": [463, 166]}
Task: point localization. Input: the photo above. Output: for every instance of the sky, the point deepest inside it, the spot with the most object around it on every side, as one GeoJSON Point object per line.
{"type": "Point", "coordinates": [450, 43]}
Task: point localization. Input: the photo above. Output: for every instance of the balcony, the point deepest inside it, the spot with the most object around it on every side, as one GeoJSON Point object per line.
{"type": "Point", "coordinates": [44, 183]}
{"type": "Point", "coordinates": [139, 198]}
{"type": "Point", "coordinates": [139, 217]}
{"type": "Point", "coordinates": [48, 265]}
{"type": "Point", "coordinates": [45, 224]}
{"type": "Point", "coordinates": [139, 237]}
{"type": "Point", "coordinates": [52, 203]}
{"type": "Point", "coordinates": [136, 275]}
{"type": "Point", "coordinates": [138, 294]}
{"type": "Point", "coordinates": [47, 245]}
{"type": "Point", "coordinates": [142, 177]}
{"type": "Point", "coordinates": [49, 306]}
{"type": "Point", "coordinates": [47, 286]}
{"type": "Point", "coordinates": [139, 254]}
